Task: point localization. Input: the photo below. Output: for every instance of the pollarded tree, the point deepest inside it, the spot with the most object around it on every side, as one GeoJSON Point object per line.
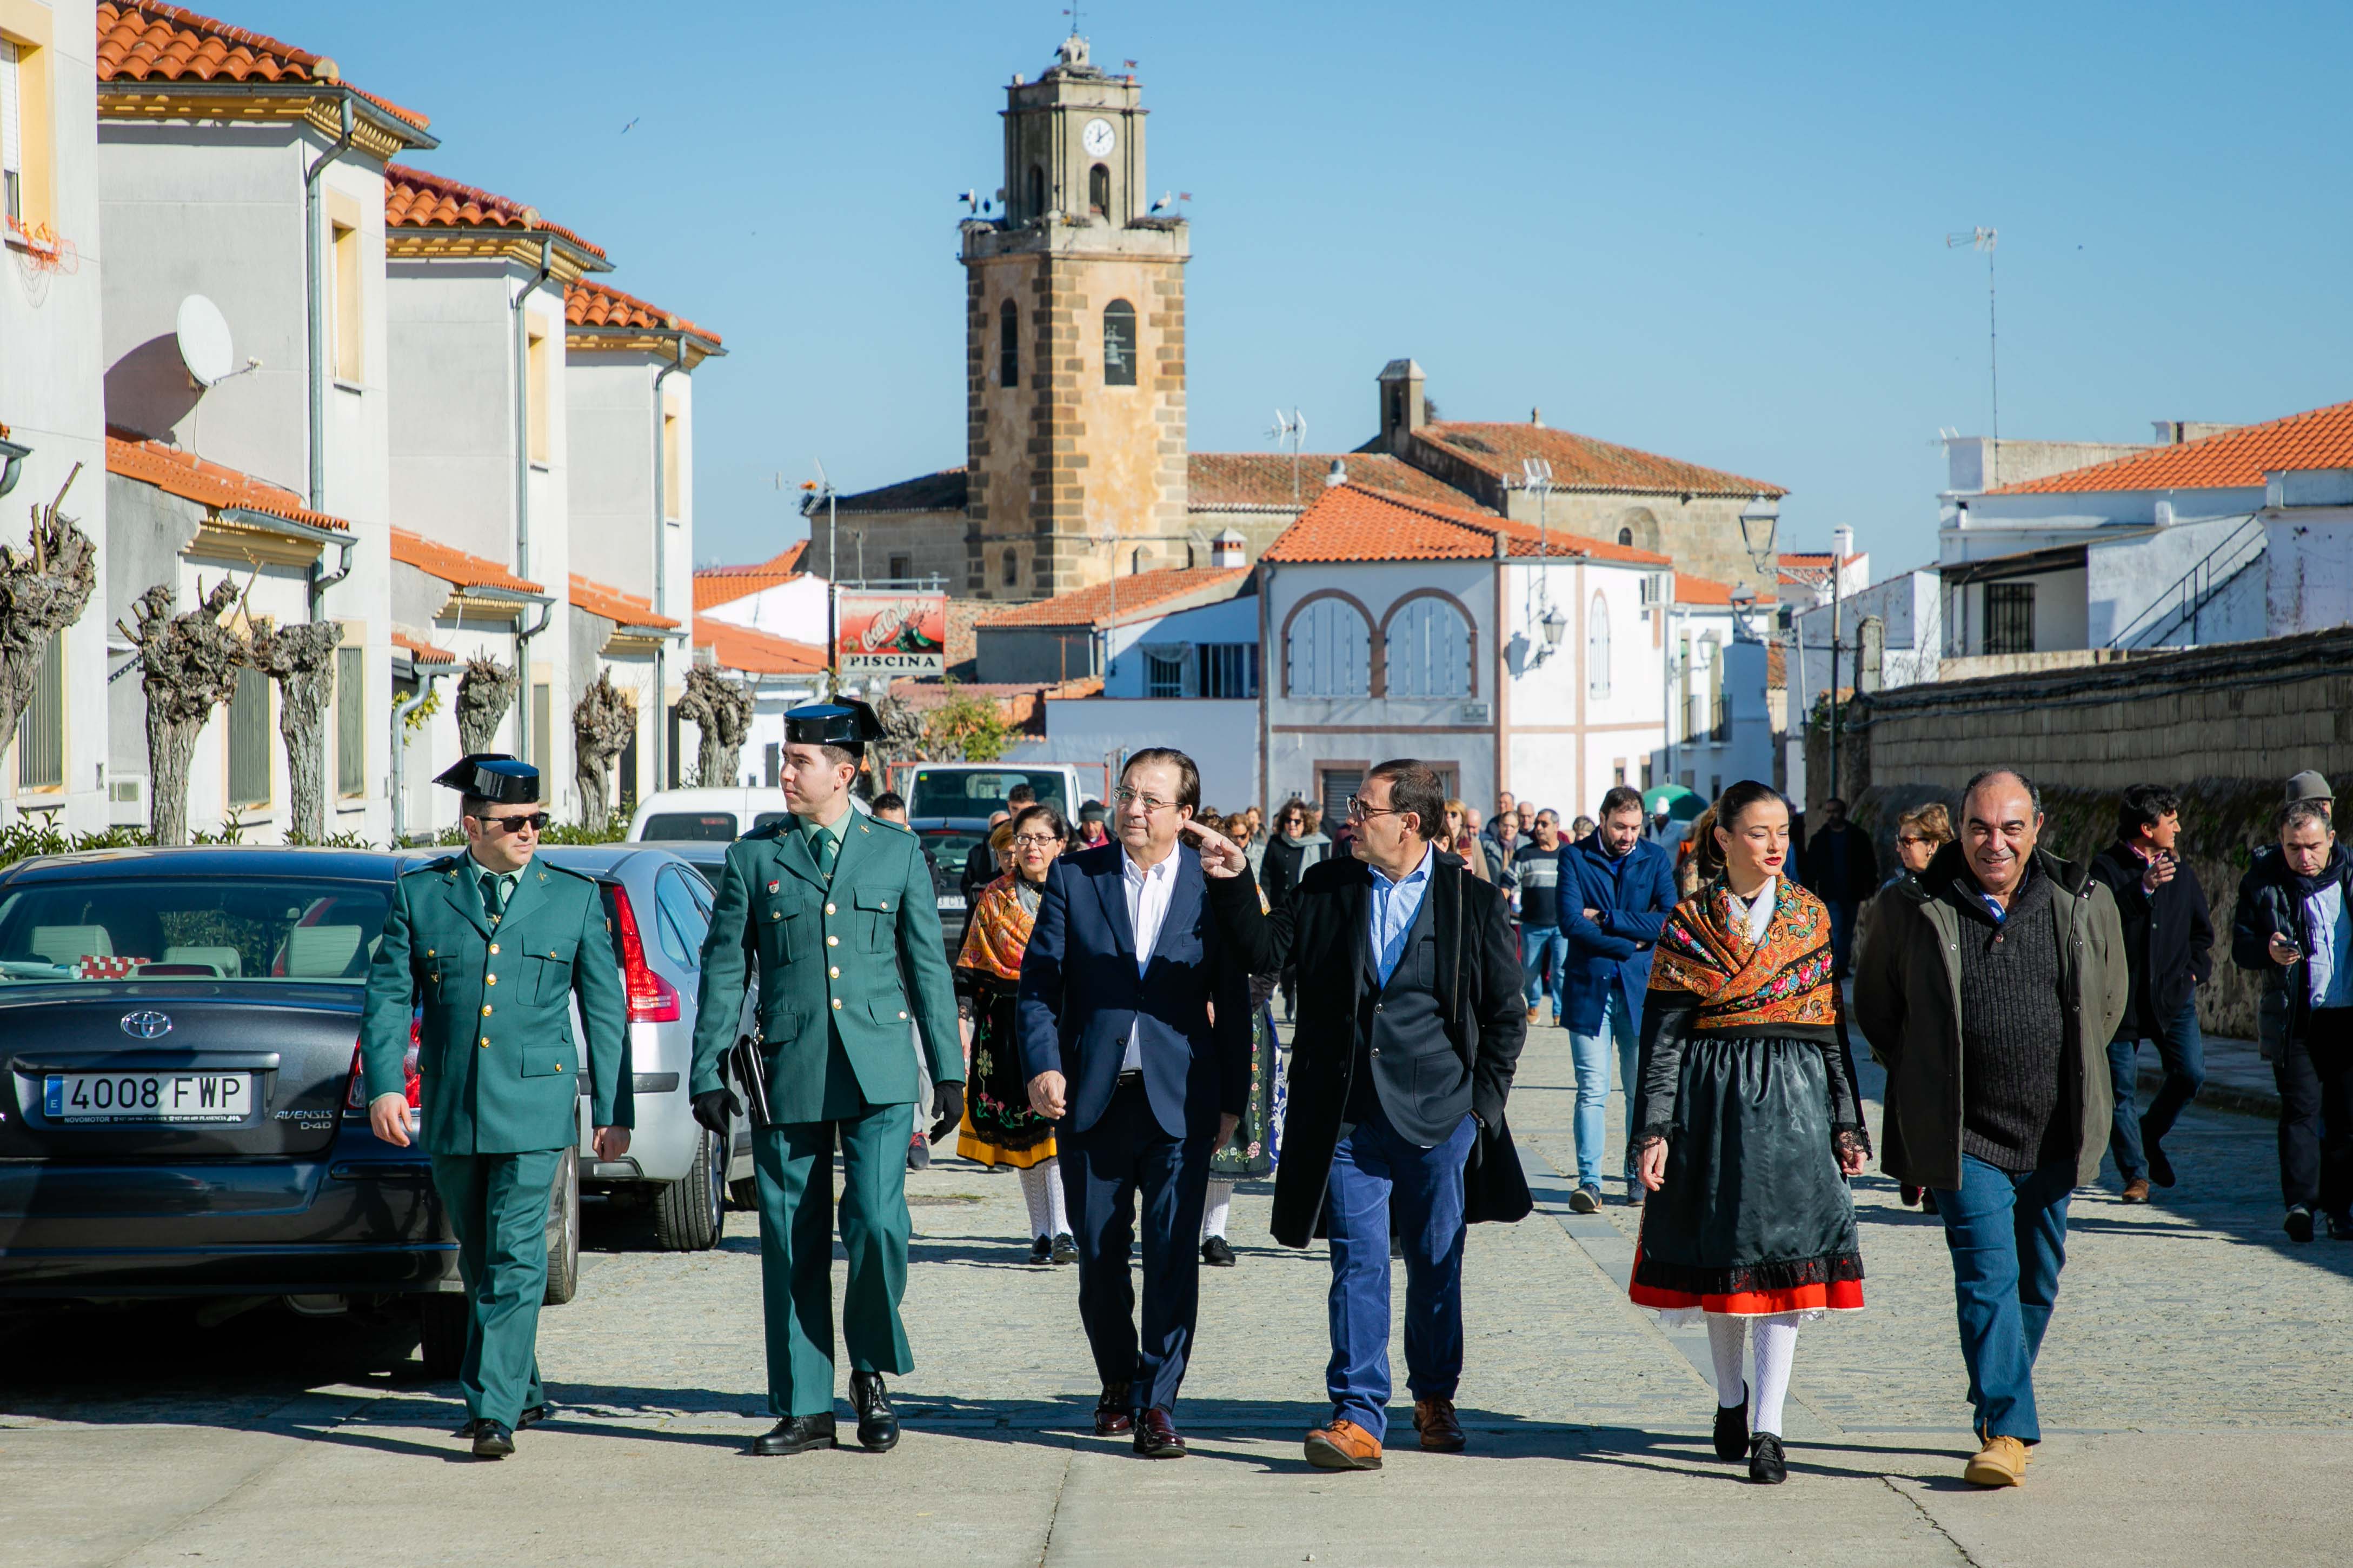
{"type": "Point", "coordinates": [485, 692]}
{"type": "Point", "coordinates": [602, 724]}
{"type": "Point", "coordinates": [188, 665]}
{"type": "Point", "coordinates": [720, 711]}
{"type": "Point", "coordinates": [40, 592]}
{"type": "Point", "coordinates": [301, 659]}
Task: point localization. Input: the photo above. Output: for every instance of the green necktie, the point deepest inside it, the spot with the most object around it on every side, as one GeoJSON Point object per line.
{"type": "Point", "coordinates": [827, 850]}
{"type": "Point", "coordinates": [490, 894]}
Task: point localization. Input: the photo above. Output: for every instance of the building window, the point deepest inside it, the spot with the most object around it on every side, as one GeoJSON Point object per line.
{"type": "Point", "coordinates": [1337, 786]}
{"type": "Point", "coordinates": [351, 318]}
{"type": "Point", "coordinates": [1119, 343]}
{"type": "Point", "coordinates": [542, 729]}
{"type": "Point", "coordinates": [625, 785]}
{"type": "Point", "coordinates": [2010, 617]}
{"type": "Point", "coordinates": [1686, 698]}
{"type": "Point", "coordinates": [1036, 191]}
{"type": "Point", "coordinates": [11, 134]}
{"type": "Point", "coordinates": [1228, 670]}
{"type": "Point", "coordinates": [1617, 771]}
{"type": "Point", "coordinates": [1329, 652]}
{"type": "Point", "coordinates": [1098, 190]}
{"type": "Point", "coordinates": [248, 741]}
{"type": "Point", "coordinates": [1428, 651]}
{"type": "Point", "coordinates": [1626, 537]}
{"type": "Point", "coordinates": [1597, 649]}
{"type": "Point", "coordinates": [673, 475]}
{"type": "Point", "coordinates": [41, 729]}
{"type": "Point", "coordinates": [1011, 570]}
{"type": "Point", "coordinates": [902, 567]}
{"type": "Point", "coordinates": [535, 354]}
{"type": "Point", "coordinates": [1164, 673]}
{"type": "Point", "coordinates": [1009, 345]}
{"type": "Point", "coordinates": [1719, 721]}
{"type": "Point", "coordinates": [351, 723]}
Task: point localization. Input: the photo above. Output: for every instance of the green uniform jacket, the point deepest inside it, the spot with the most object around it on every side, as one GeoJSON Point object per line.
{"type": "Point", "coordinates": [856, 958]}
{"type": "Point", "coordinates": [495, 1050]}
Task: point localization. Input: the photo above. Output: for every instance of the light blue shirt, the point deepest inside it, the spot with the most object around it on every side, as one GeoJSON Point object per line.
{"type": "Point", "coordinates": [2330, 961]}
{"type": "Point", "coordinates": [1394, 906]}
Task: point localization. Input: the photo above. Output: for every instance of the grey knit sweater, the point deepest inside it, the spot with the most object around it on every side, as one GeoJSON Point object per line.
{"type": "Point", "coordinates": [2015, 1108]}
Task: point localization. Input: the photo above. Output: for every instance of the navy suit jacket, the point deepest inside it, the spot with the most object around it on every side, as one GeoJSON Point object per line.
{"type": "Point", "coordinates": [1633, 894]}
{"type": "Point", "coordinates": [1080, 990]}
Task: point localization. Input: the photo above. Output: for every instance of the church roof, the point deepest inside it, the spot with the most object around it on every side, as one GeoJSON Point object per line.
{"type": "Point", "coordinates": [1262, 481]}
{"type": "Point", "coordinates": [1582, 463]}
{"type": "Point", "coordinates": [1350, 523]}
{"type": "Point", "coordinates": [943, 491]}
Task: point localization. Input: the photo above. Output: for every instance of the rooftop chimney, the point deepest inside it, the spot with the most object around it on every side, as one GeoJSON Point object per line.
{"type": "Point", "coordinates": [1535, 417]}
{"type": "Point", "coordinates": [1841, 545]}
{"type": "Point", "coordinates": [1227, 550]}
{"type": "Point", "coordinates": [1403, 403]}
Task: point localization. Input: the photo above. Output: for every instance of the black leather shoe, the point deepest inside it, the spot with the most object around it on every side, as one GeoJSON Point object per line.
{"type": "Point", "coordinates": [795, 1434]}
{"type": "Point", "coordinates": [1156, 1435]}
{"type": "Point", "coordinates": [531, 1417]}
{"type": "Point", "coordinates": [1217, 1252]}
{"type": "Point", "coordinates": [466, 1427]}
{"type": "Point", "coordinates": [1041, 1249]}
{"type": "Point", "coordinates": [492, 1440]}
{"type": "Point", "coordinates": [1732, 1428]}
{"type": "Point", "coordinates": [1066, 1250]}
{"type": "Point", "coordinates": [2160, 1168]}
{"type": "Point", "coordinates": [1767, 1464]}
{"type": "Point", "coordinates": [878, 1424]}
{"type": "Point", "coordinates": [2298, 1224]}
{"type": "Point", "coordinates": [1113, 1414]}
{"type": "Point", "coordinates": [2341, 1228]}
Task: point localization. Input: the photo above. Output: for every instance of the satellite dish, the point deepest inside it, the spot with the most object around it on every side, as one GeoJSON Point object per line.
{"type": "Point", "coordinates": [202, 334]}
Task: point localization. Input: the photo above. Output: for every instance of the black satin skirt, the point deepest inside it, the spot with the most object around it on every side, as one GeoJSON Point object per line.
{"type": "Point", "coordinates": [1754, 1216]}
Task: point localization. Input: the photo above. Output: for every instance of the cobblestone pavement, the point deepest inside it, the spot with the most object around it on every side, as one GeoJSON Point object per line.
{"type": "Point", "coordinates": [2195, 1390]}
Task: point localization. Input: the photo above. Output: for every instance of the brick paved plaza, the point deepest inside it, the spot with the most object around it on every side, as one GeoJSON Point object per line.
{"type": "Point", "coordinates": [2195, 1389]}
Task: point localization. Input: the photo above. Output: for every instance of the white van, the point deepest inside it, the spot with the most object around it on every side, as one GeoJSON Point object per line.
{"type": "Point", "coordinates": [705, 815]}
{"type": "Point", "coordinates": [978, 789]}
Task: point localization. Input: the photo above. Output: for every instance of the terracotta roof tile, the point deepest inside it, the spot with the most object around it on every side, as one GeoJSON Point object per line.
{"type": "Point", "coordinates": [2232, 459]}
{"type": "Point", "coordinates": [1582, 463]}
{"type": "Point", "coordinates": [623, 609]}
{"type": "Point", "coordinates": [420, 651]}
{"type": "Point", "coordinates": [416, 198]}
{"type": "Point", "coordinates": [191, 477]}
{"type": "Point", "coordinates": [454, 566]}
{"type": "Point", "coordinates": [1144, 594]}
{"type": "Point", "coordinates": [144, 42]}
{"type": "Point", "coordinates": [725, 584]}
{"type": "Point", "coordinates": [754, 652]}
{"type": "Point", "coordinates": [1265, 478]}
{"type": "Point", "coordinates": [595, 305]}
{"type": "Point", "coordinates": [1691, 590]}
{"type": "Point", "coordinates": [1349, 523]}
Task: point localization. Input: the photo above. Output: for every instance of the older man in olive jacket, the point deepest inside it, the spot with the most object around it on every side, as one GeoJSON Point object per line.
{"type": "Point", "coordinates": [1989, 986]}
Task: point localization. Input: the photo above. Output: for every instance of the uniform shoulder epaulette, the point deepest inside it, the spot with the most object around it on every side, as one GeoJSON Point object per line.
{"type": "Point", "coordinates": [546, 866]}
{"type": "Point", "coordinates": [438, 867]}
{"type": "Point", "coordinates": [865, 821]}
{"type": "Point", "coordinates": [770, 829]}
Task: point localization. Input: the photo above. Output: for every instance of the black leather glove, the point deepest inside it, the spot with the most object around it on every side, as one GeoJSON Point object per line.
{"type": "Point", "coordinates": [712, 1107]}
{"type": "Point", "coordinates": [947, 1108]}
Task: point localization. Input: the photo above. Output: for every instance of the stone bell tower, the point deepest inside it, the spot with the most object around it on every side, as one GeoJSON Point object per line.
{"type": "Point", "coordinates": [1074, 337]}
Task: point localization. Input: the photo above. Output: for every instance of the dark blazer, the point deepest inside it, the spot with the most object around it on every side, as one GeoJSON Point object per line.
{"type": "Point", "coordinates": [1324, 930]}
{"type": "Point", "coordinates": [1079, 992]}
{"type": "Point", "coordinates": [1862, 864]}
{"type": "Point", "coordinates": [2170, 938]}
{"type": "Point", "coordinates": [1634, 893]}
{"type": "Point", "coordinates": [2270, 900]}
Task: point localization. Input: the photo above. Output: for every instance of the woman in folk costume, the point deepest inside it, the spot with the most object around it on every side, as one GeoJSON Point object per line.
{"type": "Point", "coordinates": [999, 1128]}
{"type": "Point", "coordinates": [1746, 1121]}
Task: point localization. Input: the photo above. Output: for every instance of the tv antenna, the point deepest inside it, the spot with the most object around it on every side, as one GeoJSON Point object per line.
{"type": "Point", "coordinates": [1983, 238]}
{"type": "Point", "coordinates": [1291, 429]}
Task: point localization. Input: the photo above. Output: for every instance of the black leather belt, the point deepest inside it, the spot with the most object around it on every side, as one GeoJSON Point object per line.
{"type": "Point", "coordinates": [1131, 1076]}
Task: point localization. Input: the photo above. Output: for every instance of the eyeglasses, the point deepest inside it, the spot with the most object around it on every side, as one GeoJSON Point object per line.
{"type": "Point", "coordinates": [1126, 797]}
{"type": "Point", "coordinates": [537, 822]}
{"type": "Point", "coordinates": [1034, 841]}
{"type": "Point", "coordinates": [1359, 812]}
{"type": "Point", "coordinates": [1911, 838]}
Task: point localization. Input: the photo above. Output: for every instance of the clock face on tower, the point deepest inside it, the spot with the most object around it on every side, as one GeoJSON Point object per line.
{"type": "Point", "coordinates": [1097, 138]}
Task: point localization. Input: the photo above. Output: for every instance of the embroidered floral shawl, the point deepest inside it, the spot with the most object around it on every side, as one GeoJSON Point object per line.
{"type": "Point", "coordinates": [998, 931]}
{"type": "Point", "coordinates": [1785, 978]}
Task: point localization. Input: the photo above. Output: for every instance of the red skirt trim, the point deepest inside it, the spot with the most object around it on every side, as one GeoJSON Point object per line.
{"type": "Point", "coordinates": [1839, 1296]}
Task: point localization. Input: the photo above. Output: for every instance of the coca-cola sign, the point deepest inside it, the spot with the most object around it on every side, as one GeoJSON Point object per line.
{"type": "Point", "coordinates": [892, 633]}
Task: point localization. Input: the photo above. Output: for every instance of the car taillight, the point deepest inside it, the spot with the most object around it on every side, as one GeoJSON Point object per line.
{"type": "Point", "coordinates": [357, 1098]}
{"type": "Point", "coordinates": [653, 999]}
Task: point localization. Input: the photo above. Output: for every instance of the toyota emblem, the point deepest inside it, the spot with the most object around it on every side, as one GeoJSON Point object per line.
{"type": "Point", "coordinates": [149, 1025]}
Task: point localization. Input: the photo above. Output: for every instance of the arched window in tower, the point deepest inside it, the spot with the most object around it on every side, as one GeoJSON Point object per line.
{"type": "Point", "coordinates": [1012, 569]}
{"type": "Point", "coordinates": [1597, 648]}
{"type": "Point", "coordinates": [1036, 191]}
{"type": "Point", "coordinates": [1119, 343]}
{"type": "Point", "coordinates": [1428, 651]}
{"type": "Point", "coordinates": [1626, 536]}
{"type": "Point", "coordinates": [1099, 190]}
{"type": "Point", "coordinates": [1009, 345]}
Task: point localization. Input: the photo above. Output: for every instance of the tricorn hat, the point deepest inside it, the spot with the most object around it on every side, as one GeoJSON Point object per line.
{"type": "Point", "coordinates": [493, 777]}
{"type": "Point", "coordinates": [847, 723]}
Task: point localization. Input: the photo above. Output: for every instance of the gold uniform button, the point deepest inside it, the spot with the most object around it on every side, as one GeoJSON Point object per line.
{"type": "Point", "coordinates": [559, 1066]}
{"type": "Point", "coordinates": [776, 914]}
{"type": "Point", "coordinates": [485, 1042]}
{"type": "Point", "coordinates": [829, 908]}
{"type": "Point", "coordinates": [833, 941]}
{"type": "Point", "coordinates": [489, 980]}
{"type": "Point", "coordinates": [903, 1012]}
{"type": "Point", "coordinates": [428, 952]}
{"type": "Point", "coordinates": [884, 905]}
{"type": "Point", "coordinates": [486, 1009]}
{"type": "Point", "coordinates": [834, 972]}
{"type": "Point", "coordinates": [837, 1001]}
{"type": "Point", "coordinates": [494, 950]}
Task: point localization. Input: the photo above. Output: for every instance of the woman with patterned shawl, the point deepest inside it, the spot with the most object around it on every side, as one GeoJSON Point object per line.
{"type": "Point", "coordinates": [1746, 1122]}
{"type": "Point", "coordinates": [999, 1128]}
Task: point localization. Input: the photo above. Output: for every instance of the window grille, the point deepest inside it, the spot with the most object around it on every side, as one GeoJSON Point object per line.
{"type": "Point", "coordinates": [1119, 343]}
{"type": "Point", "coordinates": [248, 741]}
{"type": "Point", "coordinates": [351, 721]}
{"type": "Point", "coordinates": [41, 729]}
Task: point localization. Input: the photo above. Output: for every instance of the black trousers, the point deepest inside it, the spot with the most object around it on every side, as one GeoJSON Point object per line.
{"type": "Point", "coordinates": [2315, 1073]}
{"type": "Point", "coordinates": [1125, 1155]}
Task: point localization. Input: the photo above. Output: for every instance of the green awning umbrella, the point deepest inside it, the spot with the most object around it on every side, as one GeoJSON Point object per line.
{"type": "Point", "coordinates": [1681, 805]}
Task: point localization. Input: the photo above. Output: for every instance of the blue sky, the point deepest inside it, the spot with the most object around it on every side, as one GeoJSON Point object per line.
{"type": "Point", "coordinates": [1715, 231]}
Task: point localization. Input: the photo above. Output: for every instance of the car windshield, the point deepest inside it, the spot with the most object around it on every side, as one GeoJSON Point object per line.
{"type": "Point", "coordinates": [968, 792]}
{"type": "Point", "coordinates": [208, 928]}
{"type": "Point", "coordinates": [697, 826]}
{"type": "Point", "coordinates": [949, 847]}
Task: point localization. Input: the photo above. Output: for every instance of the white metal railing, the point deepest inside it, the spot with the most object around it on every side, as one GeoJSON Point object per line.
{"type": "Point", "coordinates": [2178, 605]}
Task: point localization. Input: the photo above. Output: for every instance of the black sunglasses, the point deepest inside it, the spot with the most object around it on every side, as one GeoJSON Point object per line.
{"type": "Point", "coordinates": [537, 822]}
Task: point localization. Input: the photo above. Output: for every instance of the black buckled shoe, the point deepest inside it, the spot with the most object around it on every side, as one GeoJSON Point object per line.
{"type": "Point", "coordinates": [1113, 1417]}
{"type": "Point", "coordinates": [1732, 1428]}
{"type": "Point", "coordinates": [795, 1434]}
{"type": "Point", "coordinates": [878, 1424]}
{"type": "Point", "coordinates": [1767, 1466]}
{"type": "Point", "coordinates": [492, 1440]}
{"type": "Point", "coordinates": [1156, 1435]}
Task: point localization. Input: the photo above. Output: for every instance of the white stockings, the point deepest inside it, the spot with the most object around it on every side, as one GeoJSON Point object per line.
{"type": "Point", "coordinates": [1777, 1349]}
{"type": "Point", "coordinates": [1041, 1189]}
{"type": "Point", "coordinates": [1219, 1209]}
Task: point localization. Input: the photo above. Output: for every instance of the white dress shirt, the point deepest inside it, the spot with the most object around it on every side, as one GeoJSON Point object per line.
{"type": "Point", "coordinates": [1147, 906]}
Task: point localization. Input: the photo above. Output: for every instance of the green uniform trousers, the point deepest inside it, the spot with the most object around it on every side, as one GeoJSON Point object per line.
{"type": "Point", "coordinates": [498, 1206]}
{"type": "Point", "coordinates": [793, 1163]}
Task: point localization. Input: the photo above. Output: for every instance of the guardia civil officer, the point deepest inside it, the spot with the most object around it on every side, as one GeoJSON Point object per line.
{"type": "Point", "coordinates": [494, 948]}
{"type": "Point", "coordinates": [837, 911]}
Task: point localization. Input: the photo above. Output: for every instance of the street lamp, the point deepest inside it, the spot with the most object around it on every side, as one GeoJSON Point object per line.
{"type": "Point", "coordinates": [1758, 521]}
{"type": "Point", "coordinates": [1554, 623]}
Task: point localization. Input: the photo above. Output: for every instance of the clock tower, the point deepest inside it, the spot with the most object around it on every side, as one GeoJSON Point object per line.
{"type": "Point", "coordinates": [1074, 336]}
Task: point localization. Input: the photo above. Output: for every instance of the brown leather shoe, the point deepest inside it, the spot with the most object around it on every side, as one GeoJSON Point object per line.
{"type": "Point", "coordinates": [1344, 1446]}
{"type": "Point", "coordinates": [1440, 1431]}
{"type": "Point", "coordinates": [2001, 1463]}
{"type": "Point", "coordinates": [1156, 1435]}
{"type": "Point", "coordinates": [1112, 1416]}
{"type": "Point", "coordinates": [2136, 1190]}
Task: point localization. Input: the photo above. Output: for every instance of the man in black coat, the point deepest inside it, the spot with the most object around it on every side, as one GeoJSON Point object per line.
{"type": "Point", "coordinates": [2170, 944]}
{"type": "Point", "coordinates": [1410, 1024]}
{"type": "Point", "coordinates": [1842, 869]}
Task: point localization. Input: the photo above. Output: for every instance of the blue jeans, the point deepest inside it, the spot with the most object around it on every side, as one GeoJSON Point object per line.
{"type": "Point", "coordinates": [1375, 1167]}
{"type": "Point", "coordinates": [2184, 1059]}
{"type": "Point", "coordinates": [1538, 946]}
{"type": "Point", "coordinates": [2008, 1235]}
{"type": "Point", "coordinates": [1591, 1055]}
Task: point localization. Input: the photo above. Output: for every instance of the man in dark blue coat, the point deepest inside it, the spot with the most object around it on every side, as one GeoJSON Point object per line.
{"type": "Point", "coordinates": [1123, 969]}
{"type": "Point", "coordinates": [1616, 891]}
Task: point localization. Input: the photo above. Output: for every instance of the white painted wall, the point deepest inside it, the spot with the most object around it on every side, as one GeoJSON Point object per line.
{"type": "Point", "coordinates": [2308, 586]}
{"type": "Point", "coordinates": [795, 609]}
{"type": "Point", "coordinates": [1227, 621]}
{"type": "Point", "coordinates": [1219, 735]}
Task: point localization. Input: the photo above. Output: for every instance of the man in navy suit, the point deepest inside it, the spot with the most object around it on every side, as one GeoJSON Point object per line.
{"type": "Point", "coordinates": [1135, 1036]}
